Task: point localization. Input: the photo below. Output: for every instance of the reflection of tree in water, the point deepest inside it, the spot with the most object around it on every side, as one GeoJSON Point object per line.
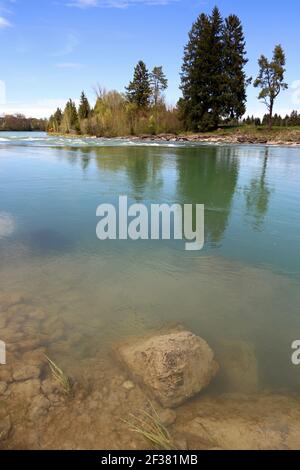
{"type": "Point", "coordinates": [85, 158]}
{"type": "Point", "coordinates": [204, 176]}
{"type": "Point", "coordinates": [258, 195]}
{"type": "Point", "coordinates": [209, 176]}
{"type": "Point", "coordinates": [141, 164]}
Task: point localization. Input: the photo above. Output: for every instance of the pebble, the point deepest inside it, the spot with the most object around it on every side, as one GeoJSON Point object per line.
{"type": "Point", "coordinates": [128, 385]}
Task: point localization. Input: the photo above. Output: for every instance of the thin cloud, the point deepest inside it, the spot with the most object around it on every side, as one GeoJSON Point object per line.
{"type": "Point", "coordinates": [71, 43]}
{"type": "Point", "coordinates": [83, 4]}
{"type": "Point", "coordinates": [4, 23]}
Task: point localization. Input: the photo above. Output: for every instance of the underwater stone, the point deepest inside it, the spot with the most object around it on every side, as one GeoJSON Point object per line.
{"type": "Point", "coordinates": [128, 385]}
{"type": "Point", "coordinates": [24, 372]}
{"type": "Point", "coordinates": [27, 389]}
{"type": "Point", "coordinates": [39, 407]}
{"type": "Point", "coordinates": [173, 366]}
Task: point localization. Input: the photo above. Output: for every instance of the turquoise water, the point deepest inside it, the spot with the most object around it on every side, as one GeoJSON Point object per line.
{"type": "Point", "coordinates": [244, 284]}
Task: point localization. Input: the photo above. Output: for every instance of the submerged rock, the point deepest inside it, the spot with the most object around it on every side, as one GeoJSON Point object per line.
{"type": "Point", "coordinates": [240, 422]}
{"type": "Point", "coordinates": [24, 372]}
{"type": "Point", "coordinates": [39, 407]}
{"type": "Point", "coordinates": [26, 390]}
{"type": "Point", "coordinates": [173, 366]}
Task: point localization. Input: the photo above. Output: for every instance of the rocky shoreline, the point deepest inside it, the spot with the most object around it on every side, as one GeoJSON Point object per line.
{"type": "Point", "coordinates": [215, 139]}
{"type": "Point", "coordinates": [227, 139]}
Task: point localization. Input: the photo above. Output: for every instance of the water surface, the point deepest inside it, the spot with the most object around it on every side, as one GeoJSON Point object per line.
{"type": "Point", "coordinates": [244, 285]}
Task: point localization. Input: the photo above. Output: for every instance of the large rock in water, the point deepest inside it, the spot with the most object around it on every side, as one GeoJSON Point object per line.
{"type": "Point", "coordinates": [240, 422]}
{"type": "Point", "coordinates": [173, 366]}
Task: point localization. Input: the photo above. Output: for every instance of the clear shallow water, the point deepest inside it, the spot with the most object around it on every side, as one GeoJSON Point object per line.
{"type": "Point", "coordinates": [244, 285]}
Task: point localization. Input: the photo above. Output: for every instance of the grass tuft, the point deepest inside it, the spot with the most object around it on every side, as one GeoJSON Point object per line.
{"type": "Point", "coordinates": [148, 425]}
{"type": "Point", "coordinates": [61, 378]}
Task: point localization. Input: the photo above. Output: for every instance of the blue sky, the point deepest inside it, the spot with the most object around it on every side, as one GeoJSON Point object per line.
{"type": "Point", "coordinates": [52, 49]}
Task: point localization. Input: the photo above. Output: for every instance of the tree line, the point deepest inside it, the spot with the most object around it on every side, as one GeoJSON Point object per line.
{"type": "Point", "coordinates": [213, 84]}
{"type": "Point", "coordinates": [18, 122]}
{"type": "Point", "coordinates": [290, 120]}
{"type": "Point", "coordinates": [140, 109]}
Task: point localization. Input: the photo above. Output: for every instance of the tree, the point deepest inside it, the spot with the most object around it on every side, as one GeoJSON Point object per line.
{"type": "Point", "coordinates": [202, 77]}
{"type": "Point", "coordinates": [84, 109]}
{"type": "Point", "coordinates": [271, 80]}
{"type": "Point", "coordinates": [234, 54]}
{"type": "Point", "coordinates": [55, 121]}
{"type": "Point", "coordinates": [139, 91]}
{"type": "Point", "coordinates": [159, 84]}
{"type": "Point", "coordinates": [58, 115]}
{"type": "Point", "coordinates": [70, 117]}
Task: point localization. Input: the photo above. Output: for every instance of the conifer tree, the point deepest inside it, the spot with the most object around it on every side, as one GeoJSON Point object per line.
{"type": "Point", "coordinates": [213, 81]}
{"type": "Point", "coordinates": [84, 109]}
{"type": "Point", "coordinates": [234, 56]}
{"type": "Point", "coordinates": [58, 116]}
{"type": "Point", "coordinates": [138, 91]}
{"type": "Point", "coordinates": [202, 76]}
{"type": "Point", "coordinates": [70, 117]}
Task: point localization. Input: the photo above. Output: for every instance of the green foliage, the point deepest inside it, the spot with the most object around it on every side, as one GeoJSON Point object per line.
{"type": "Point", "coordinates": [113, 116]}
{"type": "Point", "coordinates": [292, 120]}
{"type": "Point", "coordinates": [159, 84]}
{"type": "Point", "coordinates": [138, 91]}
{"type": "Point", "coordinates": [84, 109]}
{"type": "Point", "coordinates": [70, 122]}
{"type": "Point", "coordinates": [55, 121]}
{"type": "Point", "coordinates": [270, 79]}
{"type": "Point", "coordinates": [213, 81]}
{"type": "Point", "coordinates": [18, 122]}
{"type": "Point", "coordinates": [234, 54]}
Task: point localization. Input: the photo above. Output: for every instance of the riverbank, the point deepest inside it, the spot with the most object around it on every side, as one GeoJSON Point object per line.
{"type": "Point", "coordinates": [243, 135]}
{"type": "Point", "coordinates": [276, 136]}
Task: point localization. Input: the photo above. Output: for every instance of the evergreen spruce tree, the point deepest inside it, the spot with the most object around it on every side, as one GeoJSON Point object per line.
{"type": "Point", "coordinates": [55, 121]}
{"type": "Point", "coordinates": [70, 118]}
{"type": "Point", "coordinates": [216, 62]}
{"type": "Point", "coordinates": [202, 77]}
{"type": "Point", "coordinates": [58, 115]}
{"type": "Point", "coordinates": [84, 109]}
{"type": "Point", "coordinates": [139, 91]}
{"type": "Point", "coordinates": [234, 55]}
{"type": "Point", "coordinates": [213, 81]}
